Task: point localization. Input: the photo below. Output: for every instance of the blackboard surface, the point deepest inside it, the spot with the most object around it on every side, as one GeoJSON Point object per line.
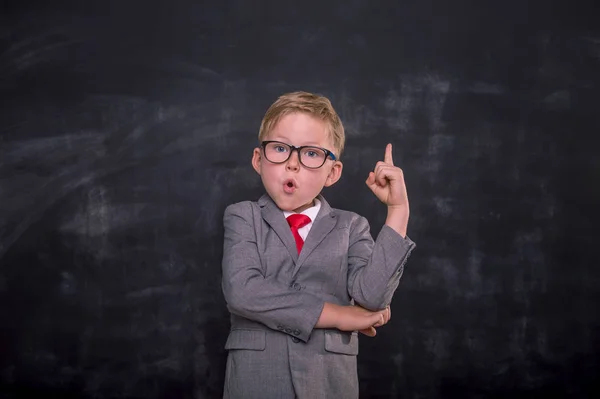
{"type": "Point", "coordinates": [127, 127]}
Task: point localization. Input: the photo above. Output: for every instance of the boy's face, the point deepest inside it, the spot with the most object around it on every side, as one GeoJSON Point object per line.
{"type": "Point", "coordinates": [290, 184]}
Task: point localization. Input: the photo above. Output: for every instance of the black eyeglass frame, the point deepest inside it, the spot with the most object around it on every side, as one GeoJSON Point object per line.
{"type": "Point", "coordinates": [328, 154]}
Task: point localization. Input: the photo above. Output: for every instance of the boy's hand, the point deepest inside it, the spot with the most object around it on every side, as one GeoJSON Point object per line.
{"type": "Point", "coordinates": [371, 332]}
{"type": "Point", "coordinates": [387, 181]}
{"type": "Point", "coordinates": [352, 318]}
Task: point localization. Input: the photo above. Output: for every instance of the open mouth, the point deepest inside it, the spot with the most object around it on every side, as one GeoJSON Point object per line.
{"type": "Point", "coordinates": [289, 186]}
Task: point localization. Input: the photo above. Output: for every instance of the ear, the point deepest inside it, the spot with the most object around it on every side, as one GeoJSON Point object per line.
{"type": "Point", "coordinates": [256, 159]}
{"type": "Point", "coordinates": [334, 174]}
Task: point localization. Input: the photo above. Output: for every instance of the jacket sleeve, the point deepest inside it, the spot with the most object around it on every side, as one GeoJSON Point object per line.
{"type": "Point", "coordinates": [249, 293]}
{"type": "Point", "coordinates": [375, 268]}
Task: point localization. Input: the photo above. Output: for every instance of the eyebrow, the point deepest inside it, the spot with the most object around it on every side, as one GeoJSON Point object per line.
{"type": "Point", "coordinates": [286, 141]}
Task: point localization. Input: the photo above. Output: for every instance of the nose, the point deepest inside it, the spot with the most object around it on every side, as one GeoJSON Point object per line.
{"type": "Point", "coordinates": [293, 162]}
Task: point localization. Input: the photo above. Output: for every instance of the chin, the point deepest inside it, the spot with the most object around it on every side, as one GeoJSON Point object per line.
{"type": "Point", "coordinates": [286, 206]}
{"type": "Point", "coordinates": [289, 206]}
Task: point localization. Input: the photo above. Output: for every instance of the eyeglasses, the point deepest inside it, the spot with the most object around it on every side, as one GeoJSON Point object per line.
{"type": "Point", "coordinates": [310, 157]}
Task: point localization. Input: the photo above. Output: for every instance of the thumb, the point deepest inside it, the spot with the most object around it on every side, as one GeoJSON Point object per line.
{"type": "Point", "coordinates": [370, 331]}
{"type": "Point", "coordinates": [378, 320]}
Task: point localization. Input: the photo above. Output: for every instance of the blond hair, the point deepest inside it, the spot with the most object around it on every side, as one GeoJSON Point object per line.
{"type": "Point", "coordinates": [311, 104]}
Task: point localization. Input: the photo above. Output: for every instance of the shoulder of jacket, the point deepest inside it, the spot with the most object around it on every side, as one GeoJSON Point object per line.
{"type": "Point", "coordinates": [349, 218]}
{"type": "Point", "coordinates": [242, 207]}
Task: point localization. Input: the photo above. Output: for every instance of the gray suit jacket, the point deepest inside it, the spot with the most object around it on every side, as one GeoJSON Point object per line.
{"type": "Point", "coordinates": [276, 296]}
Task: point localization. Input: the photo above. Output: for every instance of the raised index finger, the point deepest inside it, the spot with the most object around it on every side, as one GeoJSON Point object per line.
{"type": "Point", "coordinates": [388, 155]}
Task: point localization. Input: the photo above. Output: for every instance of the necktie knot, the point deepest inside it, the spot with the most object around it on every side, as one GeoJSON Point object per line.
{"type": "Point", "coordinates": [297, 221]}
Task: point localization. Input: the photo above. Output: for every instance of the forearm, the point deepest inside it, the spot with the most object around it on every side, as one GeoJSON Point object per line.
{"type": "Point", "coordinates": [375, 268]}
{"type": "Point", "coordinates": [323, 315]}
{"type": "Point", "coordinates": [273, 304]}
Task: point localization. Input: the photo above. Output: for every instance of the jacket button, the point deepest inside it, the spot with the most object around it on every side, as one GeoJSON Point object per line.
{"type": "Point", "coordinates": [288, 330]}
{"type": "Point", "coordinates": [280, 327]}
{"type": "Point", "coordinates": [295, 340]}
{"type": "Point", "coordinates": [297, 286]}
{"type": "Point", "coordinates": [296, 332]}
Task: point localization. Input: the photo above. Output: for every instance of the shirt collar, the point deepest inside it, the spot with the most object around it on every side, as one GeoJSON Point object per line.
{"type": "Point", "coordinates": [311, 212]}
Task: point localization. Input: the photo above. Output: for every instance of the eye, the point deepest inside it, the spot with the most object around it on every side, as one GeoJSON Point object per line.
{"type": "Point", "coordinates": [313, 153]}
{"type": "Point", "coordinates": [279, 148]}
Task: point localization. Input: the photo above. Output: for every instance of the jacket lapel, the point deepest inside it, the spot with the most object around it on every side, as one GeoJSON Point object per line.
{"type": "Point", "coordinates": [323, 224]}
{"type": "Point", "coordinates": [274, 217]}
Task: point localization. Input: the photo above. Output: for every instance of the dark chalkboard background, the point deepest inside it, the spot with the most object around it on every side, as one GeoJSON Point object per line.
{"type": "Point", "coordinates": [126, 127]}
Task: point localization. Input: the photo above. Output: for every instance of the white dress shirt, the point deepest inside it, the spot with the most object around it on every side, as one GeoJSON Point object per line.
{"type": "Point", "coordinates": [311, 213]}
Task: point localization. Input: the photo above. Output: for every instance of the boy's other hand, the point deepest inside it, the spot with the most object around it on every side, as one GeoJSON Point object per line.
{"type": "Point", "coordinates": [387, 181]}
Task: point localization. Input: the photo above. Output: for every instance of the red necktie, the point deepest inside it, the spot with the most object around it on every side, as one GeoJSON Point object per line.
{"type": "Point", "coordinates": [296, 221]}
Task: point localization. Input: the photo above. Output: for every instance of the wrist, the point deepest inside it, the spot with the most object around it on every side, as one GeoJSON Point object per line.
{"type": "Point", "coordinates": [329, 316]}
{"type": "Point", "coordinates": [397, 218]}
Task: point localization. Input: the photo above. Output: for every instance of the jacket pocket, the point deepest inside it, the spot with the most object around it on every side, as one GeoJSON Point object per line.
{"type": "Point", "coordinates": [246, 339]}
{"type": "Point", "coordinates": [341, 342]}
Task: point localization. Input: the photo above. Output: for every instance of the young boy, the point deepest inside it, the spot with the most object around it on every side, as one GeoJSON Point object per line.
{"type": "Point", "coordinates": [298, 290]}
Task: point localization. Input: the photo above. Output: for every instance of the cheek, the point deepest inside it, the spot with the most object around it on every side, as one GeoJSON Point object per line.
{"type": "Point", "coordinates": [269, 174]}
{"type": "Point", "coordinates": [317, 179]}
{"type": "Point", "coordinates": [265, 168]}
